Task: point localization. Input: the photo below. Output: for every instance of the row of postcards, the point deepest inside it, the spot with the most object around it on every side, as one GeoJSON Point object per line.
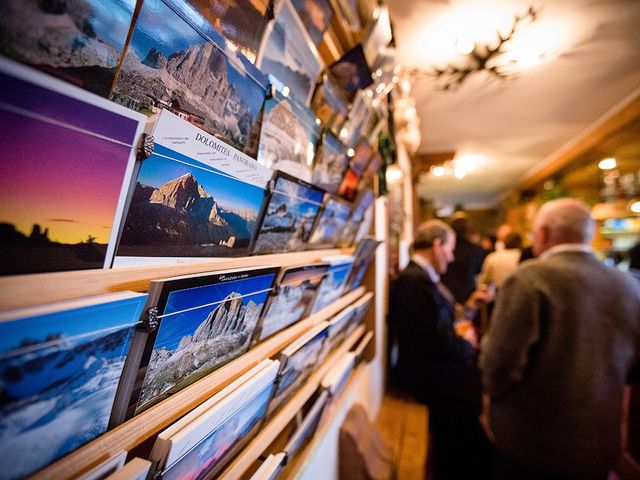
{"type": "Point", "coordinates": [71, 370]}
{"type": "Point", "coordinates": [212, 64]}
{"type": "Point", "coordinates": [76, 196]}
{"type": "Point", "coordinates": [204, 441]}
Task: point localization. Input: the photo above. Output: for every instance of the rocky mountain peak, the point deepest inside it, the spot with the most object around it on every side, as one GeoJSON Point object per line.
{"type": "Point", "coordinates": [185, 195]}
{"type": "Point", "coordinates": [225, 318]}
{"type": "Point", "coordinates": [155, 59]}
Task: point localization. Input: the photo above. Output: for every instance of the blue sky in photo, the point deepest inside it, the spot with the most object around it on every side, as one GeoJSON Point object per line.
{"type": "Point", "coordinates": [76, 321]}
{"type": "Point", "coordinates": [227, 192]}
{"type": "Point", "coordinates": [174, 328]}
{"type": "Point", "coordinates": [160, 27]}
{"type": "Point", "coordinates": [111, 20]}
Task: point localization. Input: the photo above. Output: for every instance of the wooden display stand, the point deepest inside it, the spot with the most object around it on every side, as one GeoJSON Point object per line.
{"type": "Point", "coordinates": [29, 290]}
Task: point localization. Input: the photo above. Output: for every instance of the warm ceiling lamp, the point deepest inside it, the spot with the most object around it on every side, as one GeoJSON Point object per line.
{"type": "Point", "coordinates": [486, 39]}
{"type": "Point", "coordinates": [607, 164]}
{"type": "Point", "coordinates": [458, 167]}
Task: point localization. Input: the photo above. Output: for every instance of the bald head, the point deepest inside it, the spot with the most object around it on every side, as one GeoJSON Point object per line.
{"type": "Point", "coordinates": [565, 220]}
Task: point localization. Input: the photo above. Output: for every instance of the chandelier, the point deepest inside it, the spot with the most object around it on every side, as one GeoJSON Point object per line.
{"type": "Point", "coordinates": [509, 51]}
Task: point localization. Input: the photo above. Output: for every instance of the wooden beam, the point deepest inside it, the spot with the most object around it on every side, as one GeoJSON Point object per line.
{"type": "Point", "coordinates": [612, 122]}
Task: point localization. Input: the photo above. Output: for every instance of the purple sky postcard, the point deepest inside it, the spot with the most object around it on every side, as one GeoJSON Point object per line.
{"type": "Point", "coordinates": [288, 53]}
{"type": "Point", "coordinates": [80, 42]}
{"type": "Point", "coordinates": [67, 161]}
{"type": "Point", "coordinates": [177, 61]}
{"type": "Point", "coordinates": [59, 368]}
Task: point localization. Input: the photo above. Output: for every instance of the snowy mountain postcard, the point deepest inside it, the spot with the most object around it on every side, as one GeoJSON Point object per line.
{"type": "Point", "coordinates": [364, 253]}
{"type": "Point", "coordinates": [288, 53]}
{"type": "Point", "coordinates": [214, 451]}
{"type": "Point", "coordinates": [296, 364]}
{"type": "Point", "coordinates": [59, 369]}
{"type": "Point", "coordinates": [178, 61]}
{"type": "Point", "coordinates": [332, 286]}
{"type": "Point", "coordinates": [79, 41]}
{"type": "Point", "coordinates": [206, 321]}
{"type": "Point", "coordinates": [288, 138]}
{"type": "Point", "coordinates": [297, 289]}
{"type": "Point", "coordinates": [288, 216]}
{"type": "Point", "coordinates": [330, 164]}
{"type": "Point", "coordinates": [331, 221]}
{"type": "Point", "coordinates": [67, 162]}
{"type": "Point", "coordinates": [182, 207]}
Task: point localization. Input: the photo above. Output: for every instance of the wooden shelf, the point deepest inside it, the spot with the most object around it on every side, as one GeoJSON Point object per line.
{"type": "Point", "coordinates": [151, 421]}
{"type": "Point", "coordinates": [295, 465]}
{"type": "Point", "coordinates": [36, 289]}
{"type": "Point", "coordinates": [273, 428]}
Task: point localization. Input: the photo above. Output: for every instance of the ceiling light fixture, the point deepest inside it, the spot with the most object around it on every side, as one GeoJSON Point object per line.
{"type": "Point", "coordinates": [503, 53]}
{"type": "Point", "coordinates": [458, 167]}
{"type": "Point", "coordinates": [607, 164]}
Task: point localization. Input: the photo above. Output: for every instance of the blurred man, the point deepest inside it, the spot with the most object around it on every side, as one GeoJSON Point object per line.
{"type": "Point", "coordinates": [461, 274]}
{"type": "Point", "coordinates": [436, 364]}
{"type": "Point", "coordinates": [564, 339]}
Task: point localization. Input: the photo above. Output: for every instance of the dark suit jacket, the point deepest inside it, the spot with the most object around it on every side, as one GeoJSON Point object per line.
{"type": "Point", "coordinates": [461, 273]}
{"type": "Point", "coordinates": [434, 363]}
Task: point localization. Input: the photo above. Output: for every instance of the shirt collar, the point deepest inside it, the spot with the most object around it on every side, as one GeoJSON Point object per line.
{"type": "Point", "coordinates": [426, 266]}
{"type": "Point", "coordinates": [567, 247]}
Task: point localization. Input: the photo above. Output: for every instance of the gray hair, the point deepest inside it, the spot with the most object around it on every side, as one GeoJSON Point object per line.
{"type": "Point", "coordinates": [429, 231]}
{"type": "Point", "coordinates": [567, 219]}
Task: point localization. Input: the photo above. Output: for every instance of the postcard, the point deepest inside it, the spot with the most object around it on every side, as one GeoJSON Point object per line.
{"type": "Point", "coordinates": [316, 15]}
{"type": "Point", "coordinates": [331, 221]}
{"type": "Point", "coordinates": [288, 53]}
{"type": "Point", "coordinates": [307, 427]}
{"type": "Point", "coordinates": [362, 205]}
{"type": "Point", "coordinates": [195, 197]}
{"type": "Point", "coordinates": [336, 332]}
{"type": "Point", "coordinates": [349, 186]}
{"type": "Point", "coordinates": [176, 60]}
{"type": "Point", "coordinates": [332, 286]}
{"type": "Point", "coordinates": [365, 252]}
{"type": "Point", "coordinates": [242, 22]}
{"type": "Point", "coordinates": [359, 349]}
{"type": "Point", "coordinates": [105, 468]}
{"type": "Point", "coordinates": [297, 362]}
{"type": "Point", "coordinates": [288, 215]}
{"type": "Point", "coordinates": [79, 43]}
{"type": "Point", "coordinates": [361, 306]}
{"type": "Point", "coordinates": [59, 368]}
{"type": "Point", "coordinates": [135, 469]}
{"type": "Point", "coordinates": [205, 321]}
{"type": "Point", "coordinates": [379, 35]}
{"type": "Point", "coordinates": [200, 444]}
{"type": "Point", "coordinates": [288, 137]}
{"type": "Point", "coordinates": [330, 164]}
{"type": "Point", "coordinates": [270, 468]}
{"type": "Point", "coordinates": [351, 73]}
{"type": "Point", "coordinates": [359, 119]}
{"type": "Point", "coordinates": [62, 195]}
{"type": "Point", "coordinates": [336, 378]}
{"type": "Point", "coordinates": [330, 104]}
{"type": "Point", "coordinates": [296, 290]}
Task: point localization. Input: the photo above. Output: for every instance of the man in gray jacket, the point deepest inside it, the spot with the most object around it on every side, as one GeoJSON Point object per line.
{"type": "Point", "coordinates": [563, 342]}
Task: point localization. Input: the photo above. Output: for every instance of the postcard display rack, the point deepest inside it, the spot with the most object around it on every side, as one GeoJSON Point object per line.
{"type": "Point", "coordinates": [171, 187]}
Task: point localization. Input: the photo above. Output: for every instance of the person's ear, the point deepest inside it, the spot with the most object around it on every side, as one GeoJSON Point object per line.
{"type": "Point", "coordinates": [437, 242]}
